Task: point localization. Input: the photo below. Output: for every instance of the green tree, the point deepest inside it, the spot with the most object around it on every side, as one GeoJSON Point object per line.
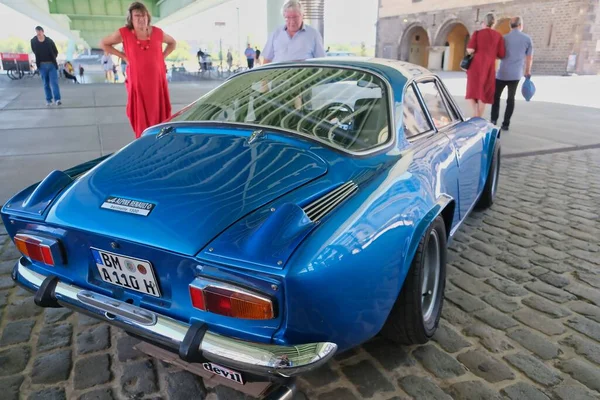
{"type": "Point", "coordinates": [15, 45]}
{"type": "Point", "coordinates": [181, 53]}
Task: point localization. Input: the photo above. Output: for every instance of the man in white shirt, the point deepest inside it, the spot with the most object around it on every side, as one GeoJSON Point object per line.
{"type": "Point", "coordinates": [294, 41]}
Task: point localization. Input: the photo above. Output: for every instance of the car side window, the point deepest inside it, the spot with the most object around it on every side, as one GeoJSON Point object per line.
{"type": "Point", "coordinates": [434, 101]}
{"type": "Point", "coordinates": [415, 121]}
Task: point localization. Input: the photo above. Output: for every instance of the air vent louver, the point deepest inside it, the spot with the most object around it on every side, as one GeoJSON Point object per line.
{"type": "Point", "coordinates": [320, 207]}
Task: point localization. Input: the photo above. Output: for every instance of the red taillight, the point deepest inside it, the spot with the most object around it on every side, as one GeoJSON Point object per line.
{"type": "Point", "coordinates": [232, 302]}
{"type": "Point", "coordinates": [36, 248]}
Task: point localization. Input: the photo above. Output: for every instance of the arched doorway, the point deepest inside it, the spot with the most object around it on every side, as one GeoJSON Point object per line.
{"type": "Point", "coordinates": [414, 46]}
{"type": "Point", "coordinates": [454, 36]}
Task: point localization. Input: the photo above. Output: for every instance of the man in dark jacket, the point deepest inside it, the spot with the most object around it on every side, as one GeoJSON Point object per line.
{"type": "Point", "coordinates": [45, 57]}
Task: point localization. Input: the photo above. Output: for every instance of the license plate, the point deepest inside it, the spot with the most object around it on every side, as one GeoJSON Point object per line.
{"type": "Point", "coordinates": [127, 272]}
{"type": "Point", "coordinates": [223, 372]}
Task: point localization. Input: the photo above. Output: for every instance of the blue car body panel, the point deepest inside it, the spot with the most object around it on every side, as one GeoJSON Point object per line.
{"type": "Point", "coordinates": [232, 209]}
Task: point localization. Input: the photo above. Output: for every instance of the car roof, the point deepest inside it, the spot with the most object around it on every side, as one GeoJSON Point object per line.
{"type": "Point", "coordinates": [395, 71]}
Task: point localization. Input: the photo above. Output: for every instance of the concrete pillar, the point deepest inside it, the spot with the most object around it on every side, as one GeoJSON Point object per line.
{"type": "Point", "coordinates": [70, 49]}
{"type": "Point", "coordinates": [274, 16]}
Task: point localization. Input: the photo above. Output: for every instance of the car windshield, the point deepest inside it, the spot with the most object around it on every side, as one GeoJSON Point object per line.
{"type": "Point", "coordinates": [344, 108]}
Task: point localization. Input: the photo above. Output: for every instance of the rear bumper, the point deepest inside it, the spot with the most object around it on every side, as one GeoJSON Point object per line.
{"type": "Point", "coordinates": [194, 343]}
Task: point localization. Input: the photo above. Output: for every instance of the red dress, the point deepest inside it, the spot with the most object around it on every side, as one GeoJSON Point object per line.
{"type": "Point", "coordinates": [148, 100]}
{"type": "Point", "coordinates": [481, 75]}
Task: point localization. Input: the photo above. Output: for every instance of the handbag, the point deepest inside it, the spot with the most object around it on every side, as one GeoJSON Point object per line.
{"type": "Point", "coordinates": [528, 88]}
{"type": "Point", "coordinates": [467, 59]}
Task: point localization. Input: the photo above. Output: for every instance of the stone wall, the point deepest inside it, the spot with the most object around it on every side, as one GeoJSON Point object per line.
{"type": "Point", "coordinates": [558, 28]}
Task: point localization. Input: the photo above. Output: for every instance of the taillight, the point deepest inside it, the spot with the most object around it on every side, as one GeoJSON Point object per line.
{"type": "Point", "coordinates": [39, 248]}
{"type": "Point", "coordinates": [225, 299]}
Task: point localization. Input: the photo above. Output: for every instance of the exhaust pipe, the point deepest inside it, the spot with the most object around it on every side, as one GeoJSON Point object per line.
{"type": "Point", "coordinates": [285, 391]}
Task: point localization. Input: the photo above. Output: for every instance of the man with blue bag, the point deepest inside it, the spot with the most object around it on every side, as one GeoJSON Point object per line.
{"type": "Point", "coordinates": [516, 63]}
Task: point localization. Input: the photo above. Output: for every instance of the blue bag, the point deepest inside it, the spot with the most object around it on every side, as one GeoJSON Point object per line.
{"type": "Point", "coordinates": [528, 88]}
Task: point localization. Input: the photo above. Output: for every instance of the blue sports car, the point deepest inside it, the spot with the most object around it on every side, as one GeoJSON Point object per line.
{"type": "Point", "coordinates": [295, 211]}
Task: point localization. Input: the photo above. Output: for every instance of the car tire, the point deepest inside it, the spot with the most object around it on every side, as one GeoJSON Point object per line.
{"type": "Point", "coordinates": [416, 314]}
{"type": "Point", "coordinates": [491, 183]}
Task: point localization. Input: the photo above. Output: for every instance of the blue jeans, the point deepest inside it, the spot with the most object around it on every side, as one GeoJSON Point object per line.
{"type": "Point", "coordinates": [49, 75]}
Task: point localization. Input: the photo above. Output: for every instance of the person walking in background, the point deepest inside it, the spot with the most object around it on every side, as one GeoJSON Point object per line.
{"type": "Point", "coordinates": [148, 101]}
{"type": "Point", "coordinates": [257, 52]}
{"type": "Point", "coordinates": [486, 45]}
{"type": "Point", "coordinates": [46, 52]}
{"type": "Point", "coordinates": [107, 66]}
{"type": "Point", "coordinates": [229, 59]}
{"type": "Point", "coordinates": [81, 72]}
{"type": "Point", "coordinates": [518, 60]}
{"type": "Point", "coordinates": [250, 55]}
{"type": "Point", "coordinates": [123, 63]}
{"type": "Point", "coordinates": [294, 41]}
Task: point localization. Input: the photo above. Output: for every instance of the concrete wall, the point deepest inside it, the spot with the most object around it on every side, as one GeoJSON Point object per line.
{"type": "Point", "coordinates": [558, 28]}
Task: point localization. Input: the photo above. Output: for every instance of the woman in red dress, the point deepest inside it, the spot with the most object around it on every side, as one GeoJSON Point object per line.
{"type": "Point", "coordinates": [488, 45]}
{"type": "Point", "coordinates": [148, 100]}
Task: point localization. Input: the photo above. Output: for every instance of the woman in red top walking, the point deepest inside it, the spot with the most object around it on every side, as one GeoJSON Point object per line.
{"type": "Point", "coordinates": [487, 45]}
{"type": "Point", "coordinates": [148, 100]}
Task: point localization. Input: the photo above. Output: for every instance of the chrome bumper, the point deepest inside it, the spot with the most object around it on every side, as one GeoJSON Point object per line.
{"type": "Point", "coordinates": [255, 358]}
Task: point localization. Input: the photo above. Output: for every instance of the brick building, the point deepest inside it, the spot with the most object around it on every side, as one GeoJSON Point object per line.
{"type": "Point", "coordinates": [434, 33]}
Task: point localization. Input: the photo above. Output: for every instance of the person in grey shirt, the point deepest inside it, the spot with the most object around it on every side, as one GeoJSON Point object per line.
{"type": "Point", "coordinates": [518, 60]}
{"type": "Point", "coordinates": [294, 41]}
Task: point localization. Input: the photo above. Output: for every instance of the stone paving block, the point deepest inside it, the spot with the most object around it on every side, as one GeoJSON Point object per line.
{"type": "Point", "coordinates": [93, 339]}
{"type": "Point", "coordinates": [585, 326]}
{"type": "Point", "coordinates": [485, 249]}
{"type": "Point", "coordinates": [92, 371]}
{"type": "Point", "coordinates": [23, 309]}
{"type": "Point", "coordinates": [573, 392]}
{"type": "Point", "coordinates": [587, 310]}
{"type": "Point", "coordinates": [585, 292]}
{"type": "Point", "coordinates": [473, 390]}
{"type": "Point", "coordinates": [183, 385]}
{"type": "Point", "coordinates": [496, 319]}
{"type": "Point", "coordinates": [590, 279]}
{"type": "Point", "coordinates": [84, 320]}
{"type": "Point", "coordinates": [102, 394]}
{"type": "Point", "coordinates": [52, 367]}
{"type": "Point", "coordinates": [556, 280]}
{"type": "Point", "coordinates": [470, 285]}
{"type": "Point", "coordinates": [550, 252]}
{"type": "Point", "coordinates": [477, 257]}
{"type": "Point", "coordinates": [4, 298]}
{"type": "Point", "coordinates": [586, 373]}
{"type": "Point", "coordinates": [534, 369]}
{"type": "Point", "coordinates": [539, 322]}
{"type": "Point", "coordinates": [512, 274]}
{"type": "Point", "coordinates": [49, 394]}
{"type": "Point", "coordinates": [16, 332]}
{"type": "Point", "coordinates": [139, 378]}
{"type": "Point", "coordinates": [517, 262]}
{"type": "Point", "coordinates": [554, 266]}
{"type": "Point", "coordinates": [390, 355]}
{"type": "Point", "coordinates": [465, 301]}
{"type": "Point", "coordinates": [10, 253]}
{"type": "Point", "coordinates": [522, 390]}
{"type": "Point", "coordinates": [472, 269]}
{"type": "Point", "coordinates": [54, 315]}
{"type": "Point", "coordinates": [492, 340]}
{"type": "Point", "coordinates": [54, 337]}
{"type": "Point", "coordinates": [449, 339]}
{"type": "Point", "coordinates": [584, 347]}
{"type": "Point", "coordinates": [437, 362]}
{"type": "Point", "coordinates": [13, 360]}
{"type": "Point", "coordinates": [125, 349]}
{"type": "Point", "coordinates": [6, 267]}
{"type": "Point", "coordinates": [586, 256]}
{"type": "Point", "coordinates": [340, 357]}
{"type": "Point", "coordinates": [502, 302]}
{"type": "Point", "coordinates": [455, 316]}
{"type": "Point", "coordinates": [322, 376]}
{"type": "Point", "coordinates": [507, 287]}
{"type": "Point", "coordinates": [422, 388]}
{"type": "Point", "coordinates": [10, 387]}
{"type": "Point", "coordinates": [550, 292]}
{"type": "Point", "coordinates": [485, 366]}
{"type": "Point", "coordinates": [535, 343]}
{"type": "Point", "coordinates": [338, 394]}
{"type": "Point", "coordinates": [367, 379]}
{"type": "Point", "coordinates": [546, 306]}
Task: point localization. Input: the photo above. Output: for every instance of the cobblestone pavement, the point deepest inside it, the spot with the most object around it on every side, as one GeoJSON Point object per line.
{"type": "Point", "coordinates": [521, 318]}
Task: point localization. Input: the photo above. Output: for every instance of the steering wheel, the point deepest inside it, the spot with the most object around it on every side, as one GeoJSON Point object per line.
{"type": "Point", "coordinates": [337, 116]}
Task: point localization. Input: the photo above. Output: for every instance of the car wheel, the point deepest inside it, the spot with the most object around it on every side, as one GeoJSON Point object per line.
{"type": "Point", "coordinates": [417, 311]}
{"type": "Point", "coordinates": [491, 183]}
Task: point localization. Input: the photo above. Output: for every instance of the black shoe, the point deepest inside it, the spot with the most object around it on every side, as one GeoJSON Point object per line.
{"type": "Point", "coordinates": [495, 122]}
{"type": "Point", "coordinates": [504, 127]}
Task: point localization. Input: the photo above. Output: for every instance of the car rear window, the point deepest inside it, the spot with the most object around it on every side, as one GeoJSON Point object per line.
{"type": "Point", "coordinates": [344, 108]}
